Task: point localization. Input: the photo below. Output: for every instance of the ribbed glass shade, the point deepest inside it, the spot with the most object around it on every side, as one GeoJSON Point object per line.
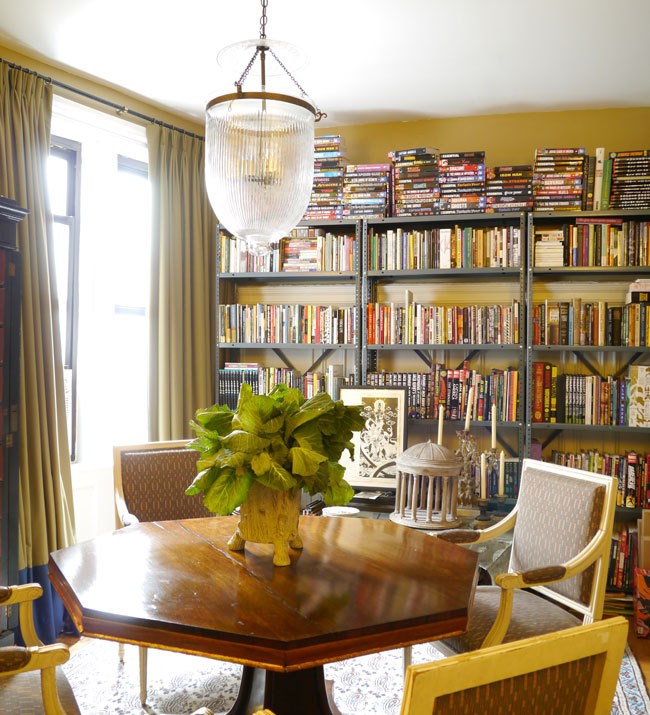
{"type": "Point", "coordinates": [259, 166]}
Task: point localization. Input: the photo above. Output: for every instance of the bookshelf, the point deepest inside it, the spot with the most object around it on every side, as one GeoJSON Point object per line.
{"type": "Point", "coordinates": [591, 370]}
{"type": "Point", "coordinates": [422, 274]}
{"type": "Point", "coordinates": [268, 331]}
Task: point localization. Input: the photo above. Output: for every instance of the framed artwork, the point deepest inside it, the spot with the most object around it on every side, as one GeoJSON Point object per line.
{"type": "Point", "coordinates": [383, 439]}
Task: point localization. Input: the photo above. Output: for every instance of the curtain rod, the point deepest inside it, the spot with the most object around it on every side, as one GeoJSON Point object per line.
{"type": "Point", "coordinates": [101, 100]}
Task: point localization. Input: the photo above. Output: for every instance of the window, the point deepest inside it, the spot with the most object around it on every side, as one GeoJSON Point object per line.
{"type": "Point", "coordinates": [104, 314]}
{"type": "Point", "coordinates": [63, 183]}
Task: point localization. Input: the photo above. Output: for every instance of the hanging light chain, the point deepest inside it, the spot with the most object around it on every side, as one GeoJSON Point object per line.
{"type": "Point", "coordinates": [319, 114]}
{"type": "Point", "coordinates": [265, 4]}
{"type": "Point", "coordinates": [247, 69]}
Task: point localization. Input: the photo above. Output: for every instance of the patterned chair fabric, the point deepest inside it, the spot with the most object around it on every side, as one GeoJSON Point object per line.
{"type": "Point", "coordinates": [531, 616]}
{"type": "Point", "coordinates": [550, 690]}
{"type": "Point", "coordinates": [154, 483]}
{"type": "Point", "coordinates": [557, 518]}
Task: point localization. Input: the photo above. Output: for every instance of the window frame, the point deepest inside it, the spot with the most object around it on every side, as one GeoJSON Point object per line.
{"type": "Point", "coordinates": [70, 151]}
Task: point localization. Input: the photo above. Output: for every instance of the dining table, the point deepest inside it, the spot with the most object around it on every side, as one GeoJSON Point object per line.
{"type": "Point", "coordinates": [357, 586]}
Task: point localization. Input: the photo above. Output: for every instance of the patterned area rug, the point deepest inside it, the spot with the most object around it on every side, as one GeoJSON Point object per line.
{"type": "Point", "coordinates": [179, 684]}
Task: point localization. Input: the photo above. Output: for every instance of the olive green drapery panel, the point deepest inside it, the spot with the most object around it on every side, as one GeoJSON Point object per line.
{"type": "Point", "coordinates": [46, 506]}
{"type": "Point", "coordinates": [181, 372]}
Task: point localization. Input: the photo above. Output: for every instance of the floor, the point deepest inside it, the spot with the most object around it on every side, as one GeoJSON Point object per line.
{"type": "Point", "coordinates": [641, 649]}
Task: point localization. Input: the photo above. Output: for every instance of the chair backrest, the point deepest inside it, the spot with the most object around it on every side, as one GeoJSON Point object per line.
{"type": "Point", "coordinates": [570, 671]}
{"type": "Point", "coordinates": [151, 479]}
{"type": "Point", "coordinates": [559, 511]}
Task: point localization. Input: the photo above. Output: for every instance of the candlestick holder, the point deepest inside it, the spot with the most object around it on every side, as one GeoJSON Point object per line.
{"type": "Point", "coordinates": [483, 516]}
{"type": "Point", "coordinates": [467, 450]}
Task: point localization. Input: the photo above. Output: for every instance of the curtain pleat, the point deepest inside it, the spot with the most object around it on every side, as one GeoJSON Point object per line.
{"type": "Point", "coordinates": [181, 370]}
{"type": "Point", "coordinates": [46, 518]}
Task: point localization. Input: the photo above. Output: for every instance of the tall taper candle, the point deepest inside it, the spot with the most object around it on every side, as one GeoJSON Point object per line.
{"type": "Point", "coordinates": [494, 426]}
{"type": "Point", "coordinates": [501, 474]}
{"type": "Point", "coordinates": [441, 412]}
{"type": "Point", "coordinates": [470, 405]}
{"type": "Point", "coordinates": [483, 477]}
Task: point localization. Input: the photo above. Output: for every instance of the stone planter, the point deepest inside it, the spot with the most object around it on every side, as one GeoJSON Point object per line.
{"type": "Point", "coordinates": [269, 516]}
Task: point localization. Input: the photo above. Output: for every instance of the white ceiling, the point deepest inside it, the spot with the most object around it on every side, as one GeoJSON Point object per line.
{"type": "Point", "coordinates": [368, 60]}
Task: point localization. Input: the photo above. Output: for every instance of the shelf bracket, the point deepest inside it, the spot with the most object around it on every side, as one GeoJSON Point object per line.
{"type": "Point", "coordinates": [551, 437]}
{"type": "Point", "coordinates": [424, 357]}
{"type": "Point", "coordinates": [593, 370]}
{"type": "Point", "coordinates": [284, 359]}
{"type": "Point", "coordinates": [632, 360]}
{"type": "Point", "coordinates": [472, 354]}
{"type": "Point", "coordinates": [319, 360]}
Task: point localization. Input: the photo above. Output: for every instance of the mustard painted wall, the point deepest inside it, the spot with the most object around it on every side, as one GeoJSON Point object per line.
{"type": "Point", "coordinates": [506, 138]}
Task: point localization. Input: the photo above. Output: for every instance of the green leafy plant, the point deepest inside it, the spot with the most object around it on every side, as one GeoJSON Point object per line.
{"type": "Point", "coordinates": [281, 440]}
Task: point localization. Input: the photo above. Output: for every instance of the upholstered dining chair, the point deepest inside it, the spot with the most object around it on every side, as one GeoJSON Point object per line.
{"type": "Point", "coordinates": [21, 668]}
{"type": "Point", "coordinates": [560, 554]}
{"type": "Point", "coordinates": [570, 671]}
{"type": "Point", "coordinates": [150, 482]}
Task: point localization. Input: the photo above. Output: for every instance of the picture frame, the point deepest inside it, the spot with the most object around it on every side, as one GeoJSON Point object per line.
{"type": "Point", "coordinates": [381, 441]}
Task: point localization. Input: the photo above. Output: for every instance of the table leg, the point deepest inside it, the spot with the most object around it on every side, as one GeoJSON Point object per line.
{"type": "Point", "coordinates": [301, 691]}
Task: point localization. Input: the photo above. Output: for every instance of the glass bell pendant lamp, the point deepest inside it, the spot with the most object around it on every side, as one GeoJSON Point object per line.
{"type": "Point", "coordinates": [259, 162]}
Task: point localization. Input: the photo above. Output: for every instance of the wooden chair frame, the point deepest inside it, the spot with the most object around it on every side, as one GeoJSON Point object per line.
{"type": "Point", "coordinates": [595, 552]}
{"type": "Point", "coordinates": [35, 656]}
{"type": "Point", "coordinates": [606, 640]}
{"type": "Point", "coordinates": [123, 517]}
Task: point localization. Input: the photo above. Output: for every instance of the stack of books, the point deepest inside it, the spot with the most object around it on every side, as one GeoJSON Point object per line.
{"type": "Point", "coordinates": [638, 291]}
{"type": "Point", "coordinates": [300, 251]}
{"type": "Point", "coordinates": [329, 167]}
{"type": "Point", "coordinates": [559, 179]}
{"type": "Point", "coordinates": [462, 182]}
{"type": "Point", "coordinates": [549, 247]}
{"type": "Point", "coordinates": [630, 179]}
{"type": "Point", "coordinates": [415, 184]}
{"type": "Point", "coordinates": [366, 190]}
{"type": "Point", "coordinates": [509, 188]}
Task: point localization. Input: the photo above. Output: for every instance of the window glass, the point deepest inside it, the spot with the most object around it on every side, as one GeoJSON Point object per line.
{"type": "Point", "coordinates": [57, 179]}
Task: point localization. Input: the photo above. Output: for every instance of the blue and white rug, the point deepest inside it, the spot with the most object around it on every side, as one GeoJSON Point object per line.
{"type": "Point", "coordinates": [179, 684]}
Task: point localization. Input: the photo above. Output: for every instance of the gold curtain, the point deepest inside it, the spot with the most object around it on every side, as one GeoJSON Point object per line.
{"type": "Point", "coordinates": [181, 372]}
{"type": "Point", "coordinates": [46, 507]}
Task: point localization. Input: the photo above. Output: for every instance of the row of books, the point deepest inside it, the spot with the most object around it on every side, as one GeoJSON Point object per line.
{"type": "Point", "coordinates": [366, 191]}
{"type": "Point", "coordinates": [622, 558]}
{"type": "Point", "coordinates": [626, 180]}
{"type": "Point", "coordinates": [509, 188]}
{"type": "Point", "coordinates": [632, 471]}
{"type": "Point", "coordinates": [427, 391]}
{"type": "Point", "coordinates": [263, 379]}
{"type": "Point", "coordinates": [591, 323]}
{"type": "Point", "coordinates": [457, 247]}
{"type": "Point", "coordinates": [301, 324]}
{"type": "Point", "coordinates": [307, 249]}
{"type": "Point", "coordinates": [327, 189]}
{"type": "Point", "coordinates": [607, 242]}
{"type": "Point", "coordinates": [560, 179]}
{"type": "Point", "coordinates": [418, 324]}
{"type": "Point", "coordinates": [588, 399]}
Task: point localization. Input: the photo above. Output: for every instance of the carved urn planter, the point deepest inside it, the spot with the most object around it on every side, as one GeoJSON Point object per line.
{"type": "Point", "coordinates": [269, 516]}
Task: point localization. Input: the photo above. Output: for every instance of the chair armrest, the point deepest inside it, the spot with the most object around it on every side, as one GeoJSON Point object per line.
{"type": "Point", "coordinates": [124, 515]}
{"type": "Point", "coordinates": [478, 536]}
{"type": "Point", "coordinates": [20, 594]}
{"type": "Point", "coordinates": [16, 659]}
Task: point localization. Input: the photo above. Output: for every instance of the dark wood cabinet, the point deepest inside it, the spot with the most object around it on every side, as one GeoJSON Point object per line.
{"type": "Point", "coordinates": [10, 282]}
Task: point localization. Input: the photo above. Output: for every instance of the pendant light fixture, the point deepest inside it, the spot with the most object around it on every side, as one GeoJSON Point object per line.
{"type": "Point", "coordinates": [259, 162]}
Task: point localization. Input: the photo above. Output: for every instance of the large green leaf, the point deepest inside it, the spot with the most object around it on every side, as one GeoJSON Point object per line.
{"type": "Point", "coordinates": [277, 477]}
{"type": "Point", "coordinates": [261, 463]}
{"type": "Point", "coordinates": [305, 461]}
{"type": "Point", "coordinates": [253, 413]}
{"type": "Point", "coordinates": [228, 491]}
{"type": "Point", "coordinates": [216, 419]}
{"type": "Point", "coordinates": [338, 494]}
{"type": "Point", "coordinates": [279, 450]}
{"type": "Point", "coordinates": [228, 458]}
{"type": "Point", "coordinates": [245, 393]}
{"type": "Point", "coordinates": [309, 436]}
{"type": "Point", "coordinates": [273, 425]}
{"type": "Point", "coordinates": [240, 441]}
{"type": "Point", "coordinates": [203, 480]}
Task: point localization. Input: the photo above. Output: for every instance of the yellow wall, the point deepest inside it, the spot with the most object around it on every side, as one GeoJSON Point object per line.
{"type": "Point", "coordinates": [124, 99]}
{"type": "Point", "coordinates": [506, 138]}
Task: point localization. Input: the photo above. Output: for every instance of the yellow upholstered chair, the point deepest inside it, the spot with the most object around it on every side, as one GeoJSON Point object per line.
{"type": "Point", "coordinates": [560, 555]}
{"type": "Point", "coordinates": [570, 671]}
{"type": "Point", "coordinates": [150, 482]}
